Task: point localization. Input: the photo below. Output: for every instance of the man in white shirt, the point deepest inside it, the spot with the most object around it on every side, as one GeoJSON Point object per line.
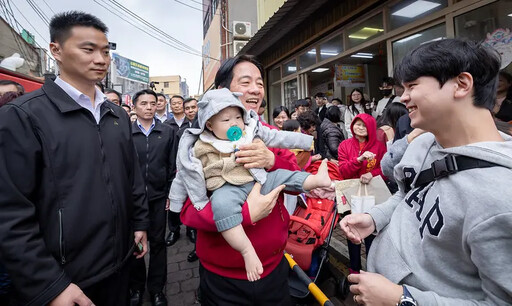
{"type": "Point", "coordinates": [161, 108]}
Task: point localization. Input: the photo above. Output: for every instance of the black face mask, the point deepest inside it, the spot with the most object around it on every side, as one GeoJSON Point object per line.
{"type": "Point", "coordinates": [386, 92]}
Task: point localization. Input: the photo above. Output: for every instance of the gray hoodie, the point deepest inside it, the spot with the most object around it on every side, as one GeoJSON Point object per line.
{"type": "Point", "coordinates": [450, 242]}
{"type": "Point", "coordinates": [189, 180]}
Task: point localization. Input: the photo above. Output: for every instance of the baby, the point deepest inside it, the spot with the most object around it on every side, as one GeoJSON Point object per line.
{"type": "Point", "coordinates": [206, 161]}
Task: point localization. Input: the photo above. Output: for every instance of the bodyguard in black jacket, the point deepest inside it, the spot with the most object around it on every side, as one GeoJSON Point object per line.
{"type": "Point", "coordinates": [157, 158]}
{"type": "Point", "coordinates": [71, 192]}
{"type": "Point", "coordinates": [156, 146]}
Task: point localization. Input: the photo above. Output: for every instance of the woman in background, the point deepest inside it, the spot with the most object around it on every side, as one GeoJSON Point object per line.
{"type": "Point", "coordinates": [331, 133]}
{"type": "Point", "coordinates": [387, 122]}
{"type": "Point", "coordinates": [280, 115]}
{"type": "Point", "coordinates": [355, 107]}
{"type": "Point", "coordinates": [359, 158]}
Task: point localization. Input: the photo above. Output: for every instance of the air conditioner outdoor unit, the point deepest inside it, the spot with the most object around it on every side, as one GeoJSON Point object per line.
{"type": "Point", "coordinates": [241, 30]}
{"type": "Point", "coordinates": [238, 45]}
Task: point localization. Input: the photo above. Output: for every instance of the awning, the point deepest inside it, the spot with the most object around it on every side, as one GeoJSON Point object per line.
{"type": "Point", "coordinates": [288, 17]}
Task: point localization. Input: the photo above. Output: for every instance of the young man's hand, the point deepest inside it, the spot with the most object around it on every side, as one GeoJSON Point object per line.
{"type": "Point", "coordinates": [357, 227]}
{"type": "Point", "coordinates": [71, 296]}
{"type": "Point", "coordinates": [255, 155]}
{"type": "Point", "coordinates": [374, 289]}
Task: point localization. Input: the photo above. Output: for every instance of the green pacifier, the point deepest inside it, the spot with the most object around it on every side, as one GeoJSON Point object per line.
{"type": "Point", "coordinates": [234, 133]}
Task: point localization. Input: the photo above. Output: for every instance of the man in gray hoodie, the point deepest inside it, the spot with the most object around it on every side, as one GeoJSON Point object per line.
{"type": "Point", "coordinates": [445, 241]}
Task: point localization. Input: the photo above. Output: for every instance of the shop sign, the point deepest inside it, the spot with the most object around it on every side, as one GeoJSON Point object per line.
{"type": "Point", "coordinates": [131, 70]}
{"type": "Point", "coordinates": [350, 75]}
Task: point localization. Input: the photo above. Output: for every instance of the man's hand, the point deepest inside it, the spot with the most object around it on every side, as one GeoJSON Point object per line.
{"type": "Point", "coordinates": [366, 178]}
{"type": "Point", "coordinates": [141, 236]}
{"type": "Point", "coordinates": [374, 289]}
{"type": "Point", "coordinates": [255, 155]}
{"type": "Point", "coordinates": [357, 227]}
{"type": "Point", "coordinates": [71, 296]}
{"type": "Point", "coordinates": [167, 204]}
{"type": "Point", "coordinates": [260, 205]}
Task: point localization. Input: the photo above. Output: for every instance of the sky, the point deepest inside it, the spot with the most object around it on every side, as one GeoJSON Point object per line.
{"type": "Point", "coordinates": [172, 17]}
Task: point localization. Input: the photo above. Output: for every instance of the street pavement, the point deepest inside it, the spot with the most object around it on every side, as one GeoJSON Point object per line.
{"type": "Point", "coordinates": [183, 278]}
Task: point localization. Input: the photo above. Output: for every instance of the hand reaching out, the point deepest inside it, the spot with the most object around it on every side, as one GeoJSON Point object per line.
{"type": "Point", "coordinates": [357, 227]}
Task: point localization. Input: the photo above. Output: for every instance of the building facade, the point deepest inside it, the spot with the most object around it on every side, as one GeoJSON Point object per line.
{"type": "Point", "coordinates": [170, 85]}
{"type": "Point", "coordinates": [227, 27]}
{"type": "Point", "coordinates": [334, 46]}
{"type": "Point", "coordinates": [36, 60]}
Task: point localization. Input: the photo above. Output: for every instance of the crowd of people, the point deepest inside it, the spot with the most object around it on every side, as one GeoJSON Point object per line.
{"type": "Point", "coordinates": [90, 184]}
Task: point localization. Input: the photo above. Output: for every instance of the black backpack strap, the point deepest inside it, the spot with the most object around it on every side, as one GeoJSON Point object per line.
{"type": "Point", "coordinates": [449, 165]}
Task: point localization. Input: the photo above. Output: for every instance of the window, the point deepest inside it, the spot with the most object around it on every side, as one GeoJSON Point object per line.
{"type": "Point", "coordinates": [404, 45]}
{"type": "Point", "coordinates": [408, 11]}
{"type": "Point", "coordinates": [274, 75]}
{"type": "Point", "coordinates": [483, 21]}
{"type": "Point", "coordinates": [307, 59]}
{"type": "Point", "coordinates": [290, 93]}
{"type": "Point", "coordinates": [367, 30]}
{"type": "Point", "coordinates": [166, 84]}
{"type": "Point", "coordinates": [274, 97]}
{"type": "Point", "coordinates": [290, 67]}
{"type": "Point", "coordinates": [331, 48]}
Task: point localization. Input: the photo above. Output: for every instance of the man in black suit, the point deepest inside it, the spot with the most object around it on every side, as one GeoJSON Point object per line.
{"type": "Point", "coordinates": [321, 101]}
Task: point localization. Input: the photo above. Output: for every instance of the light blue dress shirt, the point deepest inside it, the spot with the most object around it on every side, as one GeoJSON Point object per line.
{"type": "Point", "coordinates": [82, 99]}
{"type": "Point", "coordinates": [144, 130]}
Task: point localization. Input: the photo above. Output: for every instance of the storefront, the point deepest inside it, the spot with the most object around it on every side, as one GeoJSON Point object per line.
{"type": "Point", "coordinates": [347, 44]}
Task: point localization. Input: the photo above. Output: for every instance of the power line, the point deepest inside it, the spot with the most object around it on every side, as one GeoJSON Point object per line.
{"type": "Point", "coordinates": [204, 5]}
{"type": "Point", "coordinates": [195, 8]}
{"type": "Point", "coordinates": [141, 29]}
{"type": "Point", "coordinates": [22, 48]}
{"type": "Point", "coordinates": [148, 33]}
{"type": "Point", "coordinates": [49, 6]}
{"type": "Point", "coordinates": [174, 43]}
{"type": "Point", "coordinates": [20, 25]}
{"type": "Point", "coordinates": [35, 29]}
{"type": "Point", "coordinates": [153, 27]}
{"type": "Point", "coordinates": [39, 12]}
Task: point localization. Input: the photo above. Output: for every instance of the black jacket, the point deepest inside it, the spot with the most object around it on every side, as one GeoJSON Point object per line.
{"type": "Point", "coordinates": [332, 137]}
{"type": "Point", "coordinates": [403, 127]}
{"type": "Point", "coordinates": [186, 124]}
{"type": "Point", "coordinates": [505, 112]}
{"type": "Point", "coordinates": [157, 158]}
{"type": "Point", "coordinates": [321, 113]}
{"type": "Point", "coordinates": [71, 193]}
{"type": "Point", "coordinates": [172, 123]}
